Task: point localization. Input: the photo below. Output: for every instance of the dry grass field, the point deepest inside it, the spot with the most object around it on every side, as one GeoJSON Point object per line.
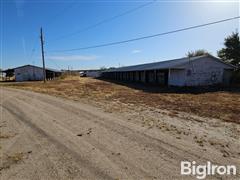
{"type": "Point", "coordinates": [224, 105]}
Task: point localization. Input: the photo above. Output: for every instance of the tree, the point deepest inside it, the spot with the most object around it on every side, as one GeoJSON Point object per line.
{"type": "Point", "coordinates": [199, 52]}
{"type": "Point", "coordinates": [231, 52]}
{"type": "Point", "coordinates": [103, 68]}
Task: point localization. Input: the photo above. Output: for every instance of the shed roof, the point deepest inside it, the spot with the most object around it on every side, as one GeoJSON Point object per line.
{"type": "Point", "coordinates": [49, 69]}
{"type": "Point", "coordinates": [175, 63]}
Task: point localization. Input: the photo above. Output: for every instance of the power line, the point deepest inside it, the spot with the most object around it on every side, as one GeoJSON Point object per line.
{"type": "Point", "coordinates": [147, 37]}
{"type": "Point", "coordinates": [53, 62]}
{"type": "Point", "coordinates": [33, 49]}
{"type": "Point", "coordinates": [105, 20]}
{"type": "Point", "coordinates": [60, 13]}
{"type": "Point", "coordinates": [50, 22]}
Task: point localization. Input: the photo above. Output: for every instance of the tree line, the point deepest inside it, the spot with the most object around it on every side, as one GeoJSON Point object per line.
{"type": "Point", "coordinates": [230, 53]}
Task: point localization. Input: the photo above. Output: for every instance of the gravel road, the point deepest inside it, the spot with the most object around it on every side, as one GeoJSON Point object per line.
{"type": "Point", "coordinates": [45, 137]}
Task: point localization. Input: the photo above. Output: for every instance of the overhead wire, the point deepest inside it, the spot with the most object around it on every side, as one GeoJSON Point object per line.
{"type": "Point", "coordinates": [146, 37]}
{"type": "Point", "coordinates": [52, 61]}
{"type": "Point", "coordinates": [105, 21]}
{"type": "Point", "coordinates": [60, 13]}
{"type": "Point", "coordinates": [93, 25]}
{"type": "Point", "coordinates": [50, 22]}
{"type": "Point", "coordinates": [33, 50]}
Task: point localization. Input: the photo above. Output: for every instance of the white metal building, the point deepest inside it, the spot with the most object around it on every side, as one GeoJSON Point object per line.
{"type": "Point", "coordinates": [34, 73]}
{"type": "Point", "coordinates": [94, 73]}
{"type": "Point", "coordinates": [195, 71]}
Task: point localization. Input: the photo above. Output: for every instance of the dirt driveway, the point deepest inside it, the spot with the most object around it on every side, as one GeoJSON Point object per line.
{"type": "Point", "coordinates": [44, 137]}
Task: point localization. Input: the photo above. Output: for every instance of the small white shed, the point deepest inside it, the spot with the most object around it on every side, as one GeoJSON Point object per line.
{"type": "Point", "coordinates": [28, 73]}
{"type": "Point", "coordinates": [34, 73]}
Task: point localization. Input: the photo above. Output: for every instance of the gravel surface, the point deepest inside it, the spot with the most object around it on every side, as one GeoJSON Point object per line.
{"type": "Point", "coordinates": [45, 137]}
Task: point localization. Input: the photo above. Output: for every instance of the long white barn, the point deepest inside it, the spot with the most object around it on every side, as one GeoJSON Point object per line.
{"type": "Point", "coordinates": [195, 71]}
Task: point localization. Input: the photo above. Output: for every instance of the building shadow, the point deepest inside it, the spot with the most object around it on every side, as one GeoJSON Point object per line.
{"type": "Point", "coordinates": [154, 88]}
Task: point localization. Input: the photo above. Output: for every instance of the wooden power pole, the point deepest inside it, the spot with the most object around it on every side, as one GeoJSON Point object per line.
{"type": "Point", "coordinates": [43, 60]}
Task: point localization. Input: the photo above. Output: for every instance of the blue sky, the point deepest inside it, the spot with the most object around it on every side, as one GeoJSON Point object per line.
{"type": "Point", "coordinates": [21, 21]}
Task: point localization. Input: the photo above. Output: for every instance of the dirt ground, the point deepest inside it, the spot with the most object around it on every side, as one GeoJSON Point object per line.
{"type": "Point", "coordinates": [214, 103]}
{"type": "Point", "coordinates": [101, 130]}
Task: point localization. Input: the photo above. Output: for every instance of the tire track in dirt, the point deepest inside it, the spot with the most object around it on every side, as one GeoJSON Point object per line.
{"type": "Point", "coordinates": [110, 133]}
{"type": "Point", "coordinates": [139, 171]}
{"type": "Point", "coordinates": [118, 126]}
{"type": "Point", "coordinates": [23, 118]}
{"type": "Point", "coordinates": [106, 151]}
{"type": "Point", "coordinates": [30, 136]}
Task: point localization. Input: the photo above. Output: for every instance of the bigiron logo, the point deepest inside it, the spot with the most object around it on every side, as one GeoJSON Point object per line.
{"type": "Point", "coordinates": [208, 169]}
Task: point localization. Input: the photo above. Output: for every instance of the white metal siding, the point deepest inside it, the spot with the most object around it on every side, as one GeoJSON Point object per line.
{"type": "Point", "coordinates": [201, 72]}
{"type": "Point", "coordinates": [94, 74]}
{"type": "Point", "coordinates": [176, 77]}
{"type": "Point", "coordinates": [28, 73]}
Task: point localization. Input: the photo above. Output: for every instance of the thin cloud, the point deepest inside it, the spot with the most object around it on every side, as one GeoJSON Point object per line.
{"type": "Point", "coordinates": [73, 58]}
{"type": "Point", "coordinates": [136, 51]}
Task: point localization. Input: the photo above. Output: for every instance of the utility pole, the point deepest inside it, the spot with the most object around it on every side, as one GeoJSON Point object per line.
{"type": "Point", "coordinates": [42, 42]}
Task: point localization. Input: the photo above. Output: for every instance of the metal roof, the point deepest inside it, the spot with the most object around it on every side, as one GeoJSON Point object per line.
{"type": "Point", "coordinates": [49, 69]}
{"type": "Point", "coordinates": [175, 63]}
